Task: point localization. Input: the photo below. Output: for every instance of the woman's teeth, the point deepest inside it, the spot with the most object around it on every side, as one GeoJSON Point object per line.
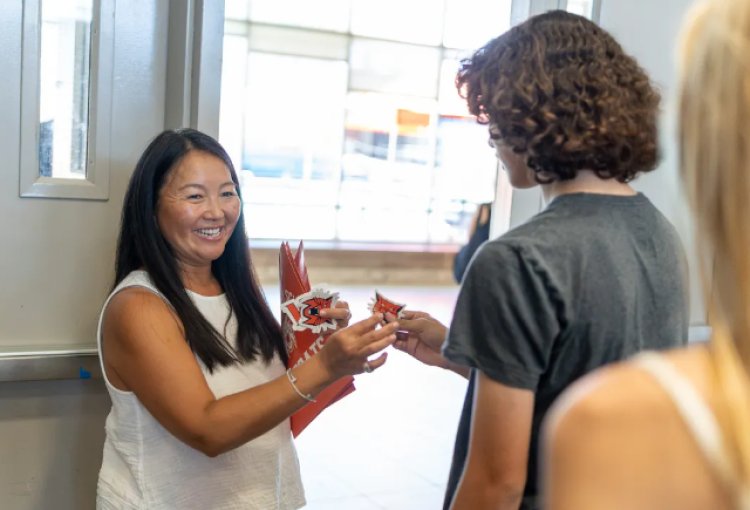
{"type": "Point", "coordinates": [209, 232]}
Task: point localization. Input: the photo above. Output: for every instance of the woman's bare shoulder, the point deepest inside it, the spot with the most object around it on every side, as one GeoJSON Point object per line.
{"type": "Point", "coordinates": [625, 393]}
{"type": "Point", "coordinates": [134, 311]}
{"type": "Point", "coordinates": [605, 433]}
{"type": "Point", "coordinates": [136, 300]}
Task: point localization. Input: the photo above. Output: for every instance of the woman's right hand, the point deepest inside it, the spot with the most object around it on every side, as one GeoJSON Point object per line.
{"type": "Point", "coordinates": [346, 351]}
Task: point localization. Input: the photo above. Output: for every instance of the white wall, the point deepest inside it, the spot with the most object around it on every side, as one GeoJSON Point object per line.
{"type": "Point", "coordinates": [56, 263]}
{"type": "Point", "coordinates": [57, 255]}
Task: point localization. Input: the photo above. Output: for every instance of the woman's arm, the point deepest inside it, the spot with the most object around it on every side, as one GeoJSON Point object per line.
{"type": "Point", "coordinates": [145, 352]}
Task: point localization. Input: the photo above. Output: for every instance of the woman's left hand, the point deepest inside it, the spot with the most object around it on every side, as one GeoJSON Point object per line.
{"type": "Point", "coordinates": [340, 313]}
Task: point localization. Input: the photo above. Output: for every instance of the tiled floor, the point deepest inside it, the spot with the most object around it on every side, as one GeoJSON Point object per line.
{"type": "Point", "coordinates": [387, 445]}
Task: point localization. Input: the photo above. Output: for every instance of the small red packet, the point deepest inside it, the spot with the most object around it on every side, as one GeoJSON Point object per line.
{"type": "Point", "coordinates": [381, 304]}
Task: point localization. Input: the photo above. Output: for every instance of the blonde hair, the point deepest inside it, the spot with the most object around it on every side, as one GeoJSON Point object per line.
{"type": "Point", "coordinates": [714, 110]}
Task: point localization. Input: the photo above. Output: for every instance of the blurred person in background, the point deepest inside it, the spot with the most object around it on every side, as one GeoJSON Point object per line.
{"type": "Point", "coordinates": [479, 232]}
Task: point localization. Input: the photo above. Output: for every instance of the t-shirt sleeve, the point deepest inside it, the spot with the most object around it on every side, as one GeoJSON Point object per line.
{"type": "Point", "coordinates": [506, 317]}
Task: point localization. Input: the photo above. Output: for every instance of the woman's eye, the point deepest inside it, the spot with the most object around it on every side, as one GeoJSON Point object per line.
{"type": "Point", "coordinates": [194, 196]}
{"type": "Point", "coordinates": [229, 193]}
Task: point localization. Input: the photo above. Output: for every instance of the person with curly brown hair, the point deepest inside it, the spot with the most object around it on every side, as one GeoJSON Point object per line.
{"type": "Point", "coordinates": [597, 276]}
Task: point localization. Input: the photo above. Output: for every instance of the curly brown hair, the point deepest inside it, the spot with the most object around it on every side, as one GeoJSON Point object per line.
{"type": "Point", "coordinates": [561, 91]}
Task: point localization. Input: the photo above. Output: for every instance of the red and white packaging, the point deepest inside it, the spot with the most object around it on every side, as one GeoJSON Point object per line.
{"type": "Point", "coordinates": [304, 332]}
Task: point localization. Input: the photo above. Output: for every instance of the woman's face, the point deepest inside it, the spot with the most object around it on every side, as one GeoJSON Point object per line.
{"type": "Point", "coordinates": [519, 175]}
{"type": "Point", "coordinates": [198, 208]}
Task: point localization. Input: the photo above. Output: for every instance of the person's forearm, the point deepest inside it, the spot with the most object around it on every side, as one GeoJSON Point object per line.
{"type": "Point", "coordinates": [486, 496]}
{"type": "Point", "coordinates": [478, 489]}
{"type": "Point", "coordinates": [497, 461]}
{"type": "Point", "coordinates": [236, 419]}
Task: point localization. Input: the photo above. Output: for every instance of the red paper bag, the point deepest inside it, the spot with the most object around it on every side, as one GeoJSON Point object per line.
{"type": "Point", "coordinates": [302, 345]}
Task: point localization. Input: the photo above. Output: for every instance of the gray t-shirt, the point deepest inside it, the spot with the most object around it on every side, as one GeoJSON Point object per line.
{"type": "Point", "coordinates": [590, 280]}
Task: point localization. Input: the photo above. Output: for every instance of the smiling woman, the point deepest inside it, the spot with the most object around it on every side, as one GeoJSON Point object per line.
{"type": "Point", "coordinates": [192, 356]}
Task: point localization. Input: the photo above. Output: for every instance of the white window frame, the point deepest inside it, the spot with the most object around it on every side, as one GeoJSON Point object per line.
{"type": "Point", "coordinates": [95, 186]}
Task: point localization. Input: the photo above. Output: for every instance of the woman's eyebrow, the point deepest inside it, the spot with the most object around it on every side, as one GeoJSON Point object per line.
{"type": "Point", "coordinates": [191, 185]}
{"type": "Point", "coordinates": [203, 187]}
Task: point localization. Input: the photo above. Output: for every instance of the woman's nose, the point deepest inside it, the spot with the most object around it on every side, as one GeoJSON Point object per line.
{"type": "Point", "coordinates": [213, 209]}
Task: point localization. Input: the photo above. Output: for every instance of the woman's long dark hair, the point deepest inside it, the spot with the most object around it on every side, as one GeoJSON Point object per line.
{"type": "Point", "coordinates": [141, 245]}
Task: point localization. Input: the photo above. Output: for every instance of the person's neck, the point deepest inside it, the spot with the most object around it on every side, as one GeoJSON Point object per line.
{"type": "Point", "coordinates": [200, 280]}
{"type": "Point", "coordinates": [586, 181]}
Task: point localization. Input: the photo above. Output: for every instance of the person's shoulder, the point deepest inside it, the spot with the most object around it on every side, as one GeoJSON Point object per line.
{"type": "Point", "coordinates": [533, 232]}
{"type": "Point", "coordinates": [137, 306]}
{"type": "Point", "coordinates": [604, 395]}
{"type": "Point", "coordinates": [622, 397]}
{"type": "Point", "coordinates": [546, 231]}
{"type": "Point", "coordinates": [137, 278]}
{"type": "Point", "coordinates": [499, 253]}
{"type": "Point", "coordinates": [519, 252]}
{"type": "Point", "coordinates": [135, 295]}
{"type": "Point", "coordinates": [536, 240]}
{"type": "Point", "coordinates": [616, 435]}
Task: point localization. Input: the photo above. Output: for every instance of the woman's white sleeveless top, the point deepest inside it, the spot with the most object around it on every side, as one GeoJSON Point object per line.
{"type": "Point", "coordinates": [146, 467]}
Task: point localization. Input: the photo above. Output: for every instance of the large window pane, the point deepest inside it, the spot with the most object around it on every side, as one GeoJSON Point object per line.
{"type": "Point", "coordinates": [388, 152]}
{"type": "Point", "coordinates": [235, 9]}
{"type": "Point", "coordinates": [461, 179]}
{"type": "Point", "coordinates": [582, 7]}
{"type": "Point", "coordinates": [462, 159]}
{"type": "Point", "coordinates": [233, 80]}
{"type": "Point", "coordinates": [291, 148]}
{"type": "Point", "coordinates": [298, 41]}
{"type": "Point", "coordinates": [320, 14]}
{"type": "Point", "coordinates": [462, 176]}
{"type": "Point", "coordinates": [416, 21]}
{"type": "Point", "coordinates": [385, 223]}
{"type": "Point", "coordinates": [279, 221]}
{"type": "Point", "coordinates": [450, 102]}
{"type": "Point", "coordinates": [360, 130]}
{"type": "Point", "coordinates": [64, 87]}
{"type": "Point", "coordinates": [394, 68]}
{"type": "Point", "coordinates": [472, 23]}
{"type": "Point", "coordinates": [387, 168]}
